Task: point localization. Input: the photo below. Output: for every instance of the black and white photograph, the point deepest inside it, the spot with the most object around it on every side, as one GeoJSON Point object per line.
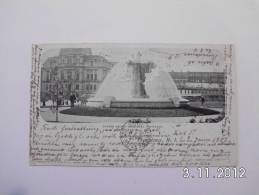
{"type": "Point", "coordinates": [141, 83]}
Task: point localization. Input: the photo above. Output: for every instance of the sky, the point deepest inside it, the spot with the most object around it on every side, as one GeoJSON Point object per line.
{"type": "Point", "coordinates": [179, 58]}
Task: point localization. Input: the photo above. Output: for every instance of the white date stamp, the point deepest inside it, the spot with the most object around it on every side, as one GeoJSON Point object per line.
{"type": "Point", "coordinates": [220, 172]}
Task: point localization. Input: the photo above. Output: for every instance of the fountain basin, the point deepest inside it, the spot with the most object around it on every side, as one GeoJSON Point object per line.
{"type": "Point", "coordinates": [111, 102]}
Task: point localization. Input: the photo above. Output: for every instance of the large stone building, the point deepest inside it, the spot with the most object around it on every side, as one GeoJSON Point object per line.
{"type": "Point", "coordinates": [74, 71]}
{"type": "Point", "coordinates": [195, 84]}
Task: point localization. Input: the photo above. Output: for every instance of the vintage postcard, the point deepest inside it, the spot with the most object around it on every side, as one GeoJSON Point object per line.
{"type": "Point", "coordinates": [133, 105]}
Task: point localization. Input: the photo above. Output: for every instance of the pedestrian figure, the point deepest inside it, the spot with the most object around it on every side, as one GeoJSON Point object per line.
{"type": "Point", "coordinates": [202, 100]}
{"type": "Point", "coordinates": [72, 100]}
{"type": "Point", "coordinates": [59, 102]}
{"type": "Point", "coordinates": [43, 102]}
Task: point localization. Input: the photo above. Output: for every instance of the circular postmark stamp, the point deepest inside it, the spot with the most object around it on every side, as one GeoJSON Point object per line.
{"type": "Point", "coordinates": [135, 137]}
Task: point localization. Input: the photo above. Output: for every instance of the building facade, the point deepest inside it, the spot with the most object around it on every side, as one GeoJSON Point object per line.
{"type": "Point", "coordinates": [74, 71]}
{"type": "Point", "coordinates": [195, 84]}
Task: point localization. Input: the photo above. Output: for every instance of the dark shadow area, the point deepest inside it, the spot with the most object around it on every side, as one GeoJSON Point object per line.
{"type": "Point", "coordinates": [139, 112]}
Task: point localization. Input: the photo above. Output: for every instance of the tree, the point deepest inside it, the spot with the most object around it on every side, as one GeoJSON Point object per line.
{"type": "Point", "coordinates": [57, 90]}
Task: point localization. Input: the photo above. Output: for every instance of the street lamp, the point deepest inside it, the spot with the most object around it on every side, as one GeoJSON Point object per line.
{"type": "Point", "coordinates": [57, 87]}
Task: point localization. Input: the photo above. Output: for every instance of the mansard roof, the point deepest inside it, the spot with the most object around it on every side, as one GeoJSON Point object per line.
{"type": "Point", "coordinates": [95, 58]}
{"type": "Point", "coordinates": [57, 60]}
{"type": "Point", "coordinates": [75, 51]}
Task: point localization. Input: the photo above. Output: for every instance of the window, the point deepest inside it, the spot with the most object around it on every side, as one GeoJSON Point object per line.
{"type": "Point", "coordinates": [62, 75]}
{"type": "Point", "coordinates": [77, 76]}
{"type": "Point", "coordinates": [94, 87]}
{"type": "Point", "coordinates": [83, 75]}
{"type": "Point", "coordinates": [77, 87]}
{"type": "Point", "coordinates": [95, 76]}
{"type": "Point", "coordinates": [69, 75]}
{"type": "Point", "coordinates": [81, 60]}
{"type": "Point", "coordinates": [92, 77]}
{"type": "Point", "coordinates": [48, 76]}
{"type": "Point", "coordinates": [69, 60]}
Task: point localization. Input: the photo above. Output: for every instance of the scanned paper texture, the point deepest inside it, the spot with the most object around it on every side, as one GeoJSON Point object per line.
{"type": "Point", "coordinates": [133, 105]}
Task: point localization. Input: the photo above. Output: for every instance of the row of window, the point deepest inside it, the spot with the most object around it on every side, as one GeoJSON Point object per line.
{"type": "Point", "coordinates": [71, 60]}
{"type": "Point", "coordinates": [199, 77]}
{"type": "Point", "coordinates": [206, 79]}
{"type": "Point", "coordinates": [199, 80]}
{"type": "Point", "coordinates": [87, 87]}
{"type": "Point", "coordinates": [207, 92]}
{"type": "Point", "coordinates": [74, 60]}
{"type": "Point", "coordinates": [90, 77]}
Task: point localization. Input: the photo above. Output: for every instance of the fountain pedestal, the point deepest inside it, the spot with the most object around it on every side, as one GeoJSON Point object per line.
{"type": "Point", "coordinates": [138, 71]}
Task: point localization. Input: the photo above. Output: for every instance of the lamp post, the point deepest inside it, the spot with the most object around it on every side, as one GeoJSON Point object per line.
{"type": "Point", "coordinates": [57, 88]}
